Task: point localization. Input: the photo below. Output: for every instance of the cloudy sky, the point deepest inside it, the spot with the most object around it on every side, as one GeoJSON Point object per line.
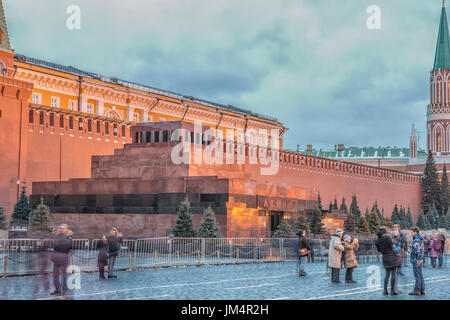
{"type": "Point", "coordinates": [313, 64]}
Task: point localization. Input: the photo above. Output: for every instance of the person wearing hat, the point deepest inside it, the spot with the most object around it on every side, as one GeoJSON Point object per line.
{"type": "Point", "coordinates": [335, 254]}
{"type": "Point", "coordinates": [417, 259]}
{"type": "Point", "coordinates": [114, 241]}
{"type": "Point", "coordinates": [350, 261]}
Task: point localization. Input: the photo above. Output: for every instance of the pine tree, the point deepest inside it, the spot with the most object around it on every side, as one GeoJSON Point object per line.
{"type": "Point", "coordinates": [354, 209]}
{"type": "Point", "coordinates": [402, 217]}
{"type": "Point", "coordinates": [284, 229]}
{"type": "Point", "coordinates": [409, 219]}
{"type": "Point", "coordinates": [22, 209]}
{"type": "Point", "coordinates": [335, 204]}
{"type": "Point", "coordinates": [366, 214]}
{"type": "Point", "coordinates": [442, 221]}
{"type": "Point", "coordinates": [374, 222]}
{"type": "Point", "coordinates": [395, 215]}
{"type": "Point", "coordinates": [209, 227]}
{"type": "Point", "coordinates": [343, 206]}
{"type": "Point", "coordinates": [363, 227]}
{"type": "Point", "coordinates": [432, 217]}
{"type": "Point", "coordinates": [377, 211]}
{"type": "Point", "coordinates": [422, 222]}
{"type": "Point", "coordinates": [317, 226]}
{"type": "Point", "coordinates": [330, 208]}
{"type": "Point", "coordinates": [184, 227]}
{"type": "Point", "coordinates": [349, 224]}
{"type": "Point", "coordinates": [3, 219]}
{"type": "Point", "coordinates": [40, 219]}
{"type": "Point", "coordinates": [444, 196]}
{"type": "Point", "coordinates": [301, 224]}
{"type": "Point", "coordinates": [319, 202]}
{"type": "Point", "coordinates": [430, 185]}
{"type": "Point", "coordinates": [447, 216]}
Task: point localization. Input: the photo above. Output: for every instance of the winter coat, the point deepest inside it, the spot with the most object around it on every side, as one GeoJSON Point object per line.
{"type": "Point", "coordinates": [102, 254]}
{"type": "Point", "coordinates": [386, 247]}
{"type": "Point", "coordinates": [350, 260]}
{"type": "Point", "coordinates": [442, 239]}
{"type": "Point", "coordinates": [435, 247]}
{"type": "Point", "coordinates": [113, 245]}
{"type": "Point", "coordinates": [417, 250]}
{"type": "Point", "coordinates": [335, 252]}
{"type": "Point", "coordinates": [61, 248]}
{"type": "Point", "coordinates": [302, 243]}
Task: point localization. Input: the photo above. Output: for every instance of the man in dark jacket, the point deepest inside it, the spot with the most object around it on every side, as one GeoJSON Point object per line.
{"type": "Point", "coordinates": [417, 259]}
{"type": "Point", "coordinates": [60, 258]}
{"type": "Point", "coordinates": [385, 246]}
{"type": "Point", "coordinates": [303, 252]}
{"type": "Point", "coordinates": [114, 241]}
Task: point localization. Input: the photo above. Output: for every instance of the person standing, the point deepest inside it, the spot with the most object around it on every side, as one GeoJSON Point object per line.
{"type": "Point", "coordinates": [397, 242]}
{"type": "Point", "coordinates": [335, 255]}
{"type": "Point", "coordinates": [350, 261]}
{"type": "Point", "coordinates": [400, 242]}
{"type": "Point", "coordinates": [114, 241]}
{"type": "Point", "coordinates": [60, 258]}
{"type": "Point", "coordinates": [102, 260]}
{"type": "Point", "coordinates": [303, 252]}
{"type": "Point", "coordinates": [417, 258]}
{"type": "Point", "coordinates": [435, 248]}
{"type": "Point", "coordinates": [386, 247]}
{"type": "Point", "coordinates": [441, 252]}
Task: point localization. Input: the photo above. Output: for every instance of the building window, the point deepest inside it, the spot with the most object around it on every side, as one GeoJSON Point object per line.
{"type": "Point", "coordinates": [61, 121]}
{"type": "Point", "coordinates": [90, 108]}
{"type": "Point", "coordinates": [123, 131]}
{"type": "Point", "coordinates": [52, 119]}
{"type": "Point", "coordinates": [31, 116]}
{"type": "Point", "coordinates": [37, 98]}
{"type": "Point", "coordinates": [89, 125]}
{"type": "Point", "coordinates": [107, 128]}
{"type": "Point", "coordinates": [41, 118]}
{"type": "Point", "coordinates": [55, 102]}
{"type": "Point", "coordinates": [71, 123]}
{"type": "Point", "coordinates": [72, 105]}
{"type": "Point", "coordinates": [80, 125]}
{"type": "Point", "coordinates": [98, 127]}
{"type": "Point", "coordinates": [115, 129]}
{"type": "Point", "coordinates": [136, 117]}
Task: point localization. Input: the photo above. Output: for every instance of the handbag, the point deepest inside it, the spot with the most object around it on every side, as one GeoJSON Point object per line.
{"type": "Point", "coordinates": [303, 252]}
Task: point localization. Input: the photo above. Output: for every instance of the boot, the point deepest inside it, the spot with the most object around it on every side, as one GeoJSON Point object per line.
{"type": "Point", "coordinates": [416, 292]}
{"type": "Point", "coordinates": [422, 292]}
{"type": "Point", "coordinates": [394, 291]}
{"type": "Point", "coordinates": [385, 292]}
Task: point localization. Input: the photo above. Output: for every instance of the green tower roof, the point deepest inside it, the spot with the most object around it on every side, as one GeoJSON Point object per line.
{"type": "Point", "coordinates": [442, 58]}
{"type": "Point", "coordinates": [5, 43]}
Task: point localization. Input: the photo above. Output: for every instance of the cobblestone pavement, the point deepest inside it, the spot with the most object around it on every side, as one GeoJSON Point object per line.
{"type": "Point", "coordinates": [238, 282]}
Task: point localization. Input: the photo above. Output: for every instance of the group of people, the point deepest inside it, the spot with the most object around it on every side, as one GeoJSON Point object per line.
{"type": "Point", "coordinates": [391, 243]}
{"type": "Point", "coordinates": [108, 246]}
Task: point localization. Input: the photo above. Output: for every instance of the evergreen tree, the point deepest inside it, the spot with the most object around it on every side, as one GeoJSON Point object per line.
{"type": "Point", "coordinates": [22, 209]}
{"type": "Point", "coordinates": [432, 217]}
{"type": "Point", "coordinates": [447, 216]}
{"type": "Point", "coordinates": [343, 206]}
{"type": "Point", "coordinates": [366, 214]}
{"type": "Point", "coordinates": [354, 209]}
{"type": "Point", "coordinates": [209, 227]}
{"type": "Point", "coordinates": [363, 227]}
{"type": "Point", "coordinates": [444, 196]}
{"type": "Point", "coordinates": [430, 185]}
{"type": "Point", "coordinates": [3, 219]}
{"type": "Point", "coordinates": [349, 224]}
{"type": "Point", "coordinates": [402, 217]}
{"type": "Point", "coordinates": [301, 224]}
{"type": "Point", "coordinates": [284, 229]}
{"type": "Point", "coordinates": [422, 222]}
{"type": "Point", "coordinates": [184, 227]}
{"type": "Point", "coordinates": [330, 208]}
{"type": "Point", "coordinates": [335, 204]}
{"type": "Point", "coordinates": [442, 221]}
{"type": "Point", "coordinates": [374, 222]}
{"type": "Point", "coordinates": [395, 215]}
{"type": "Point", "coordinates": [319, 202]}
{"type": "Point", "coordinates": [409, 219]}
{"type": "Point", "coordinates": [317, 226]}
{"type": "Point", "coordinates": [40, 219]}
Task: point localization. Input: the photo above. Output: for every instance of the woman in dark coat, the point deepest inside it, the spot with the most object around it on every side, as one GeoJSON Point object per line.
{"type": "Point", "coordinates": [102, 256]}
{"type": "Point", "coordinates": [303, 252]}
{"type": "Point", "coordinates": [114, 242]}
{"type": "Point", "coordinates": [390, 262]}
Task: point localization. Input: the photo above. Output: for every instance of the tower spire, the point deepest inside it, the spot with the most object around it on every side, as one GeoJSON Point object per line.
{"type": "Point", "coordinates": [5, 42]}
{"type": "Point", "coordinates": [442, 57]}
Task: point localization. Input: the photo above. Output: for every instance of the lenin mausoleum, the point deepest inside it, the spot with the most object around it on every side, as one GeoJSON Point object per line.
{"type": "Point", "coordinates": [100, 151]}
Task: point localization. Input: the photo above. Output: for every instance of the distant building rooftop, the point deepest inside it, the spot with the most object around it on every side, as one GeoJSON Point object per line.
{"type": "Point", "coordinates": [363, 153]}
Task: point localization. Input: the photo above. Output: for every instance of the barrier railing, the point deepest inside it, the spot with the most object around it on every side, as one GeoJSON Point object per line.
{"type": "Point", "coordinates": [32, 256]}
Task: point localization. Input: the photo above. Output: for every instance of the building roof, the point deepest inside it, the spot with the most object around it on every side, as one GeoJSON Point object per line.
{"type": "Point", "coordinates": [5, 41]}
{"type": "Point", "coordinates": [365, 153]}
{"type": "Point", "coordinates": [136, 86]}
{"type": "Point", "coordinates": [442, 57]}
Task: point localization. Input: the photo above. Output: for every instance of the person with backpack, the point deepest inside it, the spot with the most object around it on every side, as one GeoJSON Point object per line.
{"type": "Point", "coordinates": [303, 252]}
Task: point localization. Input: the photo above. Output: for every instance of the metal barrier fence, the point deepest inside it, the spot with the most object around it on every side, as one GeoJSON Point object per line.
{"type": "Point", "coordinates": [32, 256]}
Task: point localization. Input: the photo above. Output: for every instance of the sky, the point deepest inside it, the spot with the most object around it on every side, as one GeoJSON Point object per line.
{"type": "Point", "coordinates": [312, 64]}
